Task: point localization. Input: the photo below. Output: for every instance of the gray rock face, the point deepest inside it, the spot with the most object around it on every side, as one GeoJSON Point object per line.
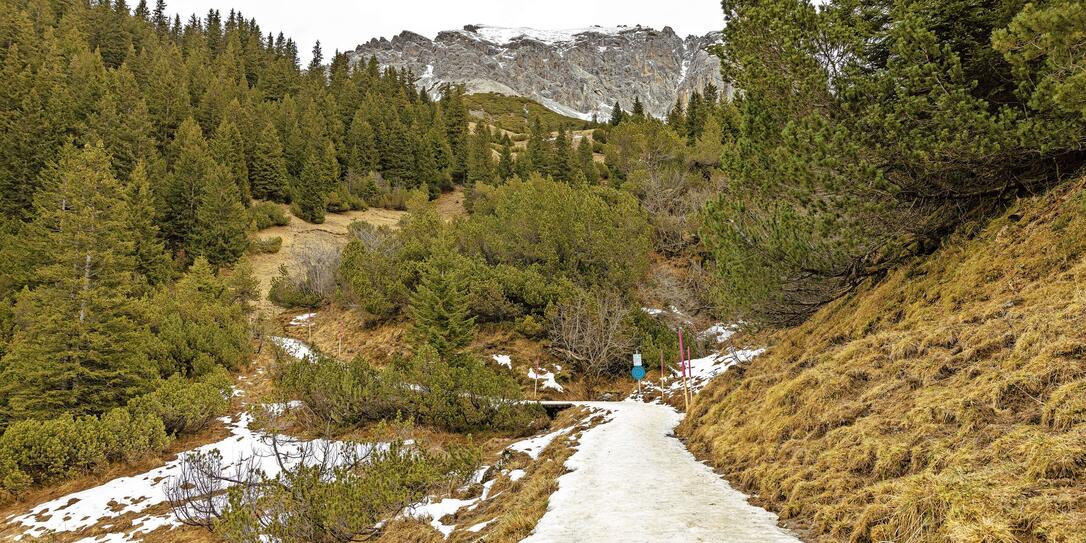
{"type": "Point", "coordinates": [577, 72]}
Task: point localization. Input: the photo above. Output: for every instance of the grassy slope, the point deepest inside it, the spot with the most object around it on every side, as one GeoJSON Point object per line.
{"type": "Point", "coordinates": [507, 113]}
{"type": "Point", "coordinates": [946, 402]}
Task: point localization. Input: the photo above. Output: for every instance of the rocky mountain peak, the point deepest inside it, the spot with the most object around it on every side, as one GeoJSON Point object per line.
{"type": "Point", "coordinates": [577, 72]}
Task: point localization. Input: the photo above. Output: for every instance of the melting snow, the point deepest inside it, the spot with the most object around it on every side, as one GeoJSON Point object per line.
{"type": "Point", "coordinates": [503, 360]}
{"type": "Point", "coordinates": [535, 445]}
{"type": "Point", "coordinates": [636, 451]}
{"type": "Point", "coordinates": [476, 528]}
{"type": "Point", "coordinates": [137, 493]}
{"type": "Point", "coordinates": [302, 319]}
{"type": "Point", "coordinates": [293, 347]}
{"type": "Point", "coordinates": [547, 378]}
{"type": "Point", "coordinates": [516, 475]}
{"type": "Point", "coordinates": [719, 332]}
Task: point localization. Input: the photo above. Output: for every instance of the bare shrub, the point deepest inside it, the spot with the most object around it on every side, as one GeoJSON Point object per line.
{"type": "Point", "coordinates": [315, 280]}
{"type": "Point", "coordinates": [591, 330]}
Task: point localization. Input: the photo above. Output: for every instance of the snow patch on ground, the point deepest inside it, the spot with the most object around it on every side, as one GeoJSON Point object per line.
{"type": "Point", "coordinates": [503, 360]}
{"type": "Point", "coordinates": [124, 495]}
{"type": "Point", "coordinates": [635, 452]}
{"type": "Point", "coordinates": [476, 528]}
{"type": "Point", "coordinates": [516, 475]}
{"type": "Point", "coordinates": [547, 379]}
{"type": "Point", "coordinates": [293, 347]}
{"type": "Point", "coordinates": [302, 319]}
{"type": "Point", "coordinates": [435, 511]}
{"type": "Point", "coordinates": [719, 332]}
{"type": "Point", "coordinates": [535, 445]}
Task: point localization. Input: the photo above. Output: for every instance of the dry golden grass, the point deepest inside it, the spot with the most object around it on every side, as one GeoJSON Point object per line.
{"type": "Point", "coordinates": [514, 507]}
{"type": "Point", "coordinates": [944, 403]}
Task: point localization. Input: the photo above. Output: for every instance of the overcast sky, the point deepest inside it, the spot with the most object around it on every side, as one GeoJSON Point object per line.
{"type": "Point", "coordinates": [343, 24]}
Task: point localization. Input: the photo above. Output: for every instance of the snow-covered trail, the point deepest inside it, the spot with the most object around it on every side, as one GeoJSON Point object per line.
{"type": "Point", "coordinates": [632, 481]}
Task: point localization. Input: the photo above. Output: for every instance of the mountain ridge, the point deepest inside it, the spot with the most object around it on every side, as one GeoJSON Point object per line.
{"type": "Point", "coordinates": [576, 72]}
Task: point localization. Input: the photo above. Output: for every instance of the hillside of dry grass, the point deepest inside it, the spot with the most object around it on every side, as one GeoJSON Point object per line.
{"type": "Point", "coordinates": [944, 403]}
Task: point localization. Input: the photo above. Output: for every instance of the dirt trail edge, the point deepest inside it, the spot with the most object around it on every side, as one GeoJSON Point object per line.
{"type": "Point", "coordinates": [632, 480]}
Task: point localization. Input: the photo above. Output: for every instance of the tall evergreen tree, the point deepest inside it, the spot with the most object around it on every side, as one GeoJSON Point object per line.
{"type": "Point", "coordinates": [228, 150]}
{"type": "Point", "coordinates": [79, 347]}
{"type": "Point", "coordinates": [268, 177]}
{"type": "Point", "coordinates": [638, 108]}
{"type": "Point", "coordinates": [617, 115]}
{"type": "Point", "coordinates": [456, 128]}
{"type": "Point", "coordinates": [190, 172]}
{"type": "Point", "coordinates": [506, 167]}
{"type": "Point", "coordinates": [439, 310]}
{"type": "Point", "coordinates": [561, 167]}
{"type": "Point", "coordinates": [587, 162]}
{"type": "Point", "coordinates": [152, 263]}
{"type": "Point", "coordinates": [221, 221]}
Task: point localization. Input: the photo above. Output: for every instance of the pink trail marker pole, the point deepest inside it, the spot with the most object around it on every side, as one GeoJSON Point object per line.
{"type": "Point", "coordinates": [682, 365]}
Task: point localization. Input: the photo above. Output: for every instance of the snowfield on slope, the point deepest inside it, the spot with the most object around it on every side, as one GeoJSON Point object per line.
{"type": "Point", "coordinates": [633, 481]}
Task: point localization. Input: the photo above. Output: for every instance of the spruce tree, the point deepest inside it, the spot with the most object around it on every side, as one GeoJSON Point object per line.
{"type": "Point", "coordinates": [78, 347]}
{"type": "Point", "coordinates": [228, 150]}
{"type": "Point", "coordinates": [268, 177]}
{"type": "Point", "coordinates": [481, 160]}
{"type": "Point", "coordinates": [310, 197]}
{"type": "Point", "coordinates": [362, 155]}
{"type": "Point", "coordinates": [561, 167]}
{"type": "Point", "coordinates": [439, 309]}
{"type": "Point", "coordinates": [638, 108]}
{"type": "Point", "coordinates": [456, 129]}
{"type": "Point", "coordinates": [587, 162]}
{"type": "Point", "coordinates": [221, 221]}
{"type": "Point", "coordinates": [617, 115]}
{"type": "Point", "coordinates": [676, 118]}
{"type": "Point", "coordinates": [192, 168]}
{"type": "Point", "coordinates": [152, 263]}
{"type": "Point", "coordinates": [506, 167]}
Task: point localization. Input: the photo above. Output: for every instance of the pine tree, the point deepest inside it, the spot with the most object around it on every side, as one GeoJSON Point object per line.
{"type": "Point", "coordinates": [537, 156]}
{"type": "Point", "coordinates": [638, 108]}
{"type": "Point", "coordinates": [561, 168]}
{"type": "Point", "coordinates": [221, 221]}
{"type": "Point", "coordinates": [190, 173]}
{"type": "Point", "coordinates": [481, 159]}
{"type": "Point", "coordinates": [587, 162]}
{"type": "Point", "coordinates": [676, 118]}
{"type": "Point", "coordinates": [152, 263]}
{"type": "Point", "coordinates": [315, 70]}
{"type": "Point", "coordinates": [695, 117]}
{"type": "Point", "coordinates": [228, 149]}
{"type": "Point", "coordinates": [506, 168]}
{"type": "Point", "coordinates": [268, 177]}
{"type": "Point", "coordinates": [362, 154]}
{"type": "Point", "coordinates": [122, 122]}
{"type": "Point", "coordinates": [310, 194]}
{"type": "Point", "coordinates": [78, 347]}
{"type": "Point", "coordinates": [617, 115]}
{"type": "Point", "coordinates": [439, 309]}
{"type": "Point", "coordinates": [456, 129]}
